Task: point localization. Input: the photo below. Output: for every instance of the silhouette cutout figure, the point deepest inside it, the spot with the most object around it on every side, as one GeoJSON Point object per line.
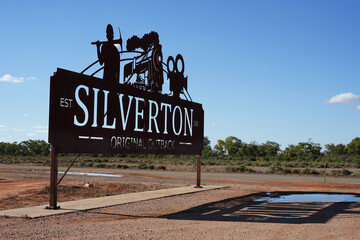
{"type": "Point", "coordinates": [109, 55]}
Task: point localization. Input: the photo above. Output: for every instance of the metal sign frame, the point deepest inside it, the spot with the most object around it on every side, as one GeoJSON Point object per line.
{"type": "Point", "coordinates": [89, 114]}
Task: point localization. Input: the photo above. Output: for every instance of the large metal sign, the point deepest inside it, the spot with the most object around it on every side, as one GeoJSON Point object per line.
{"type": "Point", "coordinates": [129, 115]}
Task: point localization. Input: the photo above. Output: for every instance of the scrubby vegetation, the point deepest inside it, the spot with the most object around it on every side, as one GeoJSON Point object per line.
{"type": "Point", "coordinates": [25, 148]}
{"type": "Point", "coordinates": [228, 155]}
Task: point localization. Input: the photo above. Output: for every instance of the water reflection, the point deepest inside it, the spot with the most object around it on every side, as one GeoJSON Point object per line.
{"type": "Point", "coordinates": [310, 198]}
{"type": "Point", "coordinates": [94, 174]}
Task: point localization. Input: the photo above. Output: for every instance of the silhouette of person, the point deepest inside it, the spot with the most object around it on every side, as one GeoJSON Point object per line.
{"type": "Point", "coordinates": [109, 55]}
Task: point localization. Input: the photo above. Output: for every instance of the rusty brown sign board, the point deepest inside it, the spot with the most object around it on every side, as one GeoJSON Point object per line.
{"type": "Point", "coordinates": [88, 117]}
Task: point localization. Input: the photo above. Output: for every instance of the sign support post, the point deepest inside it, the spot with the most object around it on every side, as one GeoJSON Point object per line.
{"type": "Point", "coordinates": [324, 172]}
{"type": "Point", "coordinates": [53, 179]}
{"type": "Point", "coordinates": [198, 172]}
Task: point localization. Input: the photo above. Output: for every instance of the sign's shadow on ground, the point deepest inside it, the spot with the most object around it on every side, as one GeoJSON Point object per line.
{"type": "Point", "coordinates": [244, 209]}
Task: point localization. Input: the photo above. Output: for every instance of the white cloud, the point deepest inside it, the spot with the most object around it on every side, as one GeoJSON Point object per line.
{"type": "Point", "coordinates": [18, 130]}
{"type": "Point", "coordinates": [26, 115]}
{"type": "Point", "coordinates": [9, 78]}
{"type": "Point", "coordinates": [344, 98]}
{"type": "Point", "coordinates": [12, 79]}
{"type": "Point", "coordinates": [2, 127]}
{"type": "Point", "coordinates": [40, 127]}
{"type": "Point", "coordinates": [357, 108]}
{"type": "Point", "coordinates": [42, 131]}
{"type": "Point", "coordinates": [31, 135]}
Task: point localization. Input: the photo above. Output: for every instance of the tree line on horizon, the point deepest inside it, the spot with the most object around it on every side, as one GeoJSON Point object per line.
{"type": "Point", "coordinates": [25, 148]}
{"type": "Point", "coordinates": [233, 147]}
{"type": "Point", "coordinates": [230, 148]}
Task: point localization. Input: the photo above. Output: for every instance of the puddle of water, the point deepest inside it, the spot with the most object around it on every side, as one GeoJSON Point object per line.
{"type": "Point", "coordinates": [310, 197]}
{"type": "Point", "coordinates": [94, 174]}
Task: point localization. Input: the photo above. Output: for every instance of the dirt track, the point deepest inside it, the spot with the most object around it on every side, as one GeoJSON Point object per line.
{"type": "Point", "coordinates": [221, 214]}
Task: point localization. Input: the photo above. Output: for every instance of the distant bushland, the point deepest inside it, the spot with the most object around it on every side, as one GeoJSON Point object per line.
{"type": "Point", "coordinates": [25, 148]}
{"type": "Point", "coordinates": [228, 155]}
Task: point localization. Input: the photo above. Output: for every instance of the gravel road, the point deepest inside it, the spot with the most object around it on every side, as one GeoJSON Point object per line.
{"type": "Point", "coordinates": [219, 214]}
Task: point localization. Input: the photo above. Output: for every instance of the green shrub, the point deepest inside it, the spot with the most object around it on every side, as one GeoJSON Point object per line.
{"type": "Point", "coordinates": [343, 172]}
{"type": "Point", "coordinates": [90, 164]}
{"type": "Point", "coordinates": [143, 166]}
{"type": "Point", "coordinates": [346, 172]}
{"type": "Point", "coordinates": [162, 168]}
{"type": "Point", "coordinates": [336, 172]}
{"type": "Point", "coordinates": [211, 163]}
{"type": "Point", "coordinates": [286, 171]}
{"type": "Point", "coordinates": [309, 171]}
{"type": "Point", "coordinates": [240, 169]}
{"type": "Point", "coordinates": [289, 164]}
{"type": "Point", "coordinates": [122, 166]}
{"type": "Point", "coordinates": [46, 162]}
{"type": "Point", "coordinates": [99, 165]}
{"type": "Point", "coordinates": [275, 168]}
{"type": "Point", "coordinates": [146, 166]}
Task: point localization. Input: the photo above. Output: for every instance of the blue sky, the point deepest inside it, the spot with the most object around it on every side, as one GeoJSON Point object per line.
{"type": "Point", "coordinates": [284, 71]}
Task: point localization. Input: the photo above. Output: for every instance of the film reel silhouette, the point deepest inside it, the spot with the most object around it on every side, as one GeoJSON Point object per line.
{"type": "Point", "coordinates": [173, 65]}
{"type": "Point", "coordinates": [176, 68]}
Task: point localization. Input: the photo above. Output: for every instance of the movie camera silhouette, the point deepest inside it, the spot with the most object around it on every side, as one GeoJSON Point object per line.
{"type": "Point", "coordinates": [144, 69]}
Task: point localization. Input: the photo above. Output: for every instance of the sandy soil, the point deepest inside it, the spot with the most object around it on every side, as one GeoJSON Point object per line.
{"type": "Point", "coordinates": [220, 214]}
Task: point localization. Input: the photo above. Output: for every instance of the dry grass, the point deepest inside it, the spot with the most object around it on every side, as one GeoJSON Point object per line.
{"type": "Point", "coordinates": [70, 192]}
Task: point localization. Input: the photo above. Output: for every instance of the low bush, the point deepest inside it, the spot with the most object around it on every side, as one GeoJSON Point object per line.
{"type": "Point", "coordinates": [346, 172]}
{"type": "Point", "coordinates": [89, 164]}
{"type": "Point", "coordinates": [146, 166]}
{"type": "Point", "coordinates": [309, 171]}
{"type": "Point", "coordinates": [161, 168]}
{"type": "Point", "coordinates": [286, 171]}
{"type": "Point", "coordinates": [122, 166]}
{"type": "Point", "coordinates": [240, 169]}
{"type": "Point", "coordinates": [275, 168]}
{"type": "Point", "coordinates": [99, 165]}
{"type": "Point", "coordinates": [343, 172]}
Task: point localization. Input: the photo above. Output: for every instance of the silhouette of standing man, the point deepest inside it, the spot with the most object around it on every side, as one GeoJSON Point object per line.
{"type": "Point", "coordinates": [109, 55]}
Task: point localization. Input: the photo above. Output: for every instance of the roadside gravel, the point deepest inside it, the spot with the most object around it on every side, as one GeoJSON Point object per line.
{"type": "Point", "coordinates": [219, 214]}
